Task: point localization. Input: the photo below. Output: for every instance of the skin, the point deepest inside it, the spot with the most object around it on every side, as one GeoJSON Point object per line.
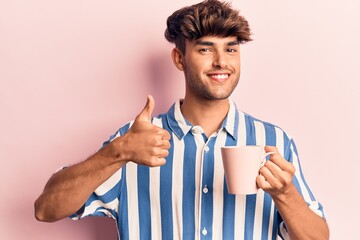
{"type": "Point", "coordinates": [211, 67]}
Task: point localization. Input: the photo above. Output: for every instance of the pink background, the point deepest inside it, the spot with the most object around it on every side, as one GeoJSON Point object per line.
{"type": "Point", "coordinates": [72, 72]}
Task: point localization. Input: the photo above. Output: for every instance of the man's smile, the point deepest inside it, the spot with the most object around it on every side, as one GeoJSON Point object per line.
{"type": "Point", "coordinates": [220, 77]}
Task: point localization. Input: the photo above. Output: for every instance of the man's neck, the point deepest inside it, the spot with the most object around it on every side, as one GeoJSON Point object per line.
{"type": "Point", "coordinates": [209, 114]}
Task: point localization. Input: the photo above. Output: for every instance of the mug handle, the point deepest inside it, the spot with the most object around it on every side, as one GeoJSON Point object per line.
{"type": "Point", "coordinates": [264, 157]}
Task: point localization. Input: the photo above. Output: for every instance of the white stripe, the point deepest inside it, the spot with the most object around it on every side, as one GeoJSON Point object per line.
{"type": "Point", "coordinates": [97, 203]}
{"type": "Point", "coordinates": [271, 221]}
{"type": "Point", "coordinates": [154, 190]}
{"type": "Point", "coordinates": [241, 130]}
{"type": "Point", "coordinates": [314, 206]}
{"type": "Point", "coordinates": [260, 141]}
{"type": "Point", "coordinates": [230, 125]}
{"type": "Point", "coordinates": [177, 188]}
{"type": "Point", "coordinates": [180, 118]}
{"type": "Point", "coordinates": [303, 188]}
{"type": "Point", "coordinates": [109, 184]}
{"type": "Point", "coordinates": [259, 208]}
{"type": "Point", "coordinates": [132, 201]}
{"type": "Point", "coordinates": [218, 201]}
{"type": "Point", "coordinates": [240, 209]}
{"type": "Point", "coordinates": [155, 208]}
{"type": "Point", "coordinates": [197, 208]}
{"type": "Point", "coordinates": [199, 141]}
{"type": "Point", "coordinates": [260, 133]}
{"type": "Point", "coordinates": [280, 146]}
{"type": "Point", "coordinates": [280, 141]}
{"type": "Point", "coordinates": [283, 231]}
{"type": "Point", "coordinates": [240, 200]}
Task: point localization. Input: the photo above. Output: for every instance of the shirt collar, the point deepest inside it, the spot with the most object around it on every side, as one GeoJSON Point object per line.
{"type": "Point", "coordinates": [180, 126]}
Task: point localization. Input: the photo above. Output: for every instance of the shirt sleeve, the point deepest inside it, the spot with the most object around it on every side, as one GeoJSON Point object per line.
{"type": "Point", "coordinates": [291, 154]}
{"type": "Point", "coordinates": [104, 201]}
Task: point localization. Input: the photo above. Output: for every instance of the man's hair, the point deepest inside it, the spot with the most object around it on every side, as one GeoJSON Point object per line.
{"type": "Point", "coordinates": [208, 18]}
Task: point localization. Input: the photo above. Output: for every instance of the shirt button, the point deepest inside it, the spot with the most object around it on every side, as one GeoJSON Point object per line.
{"type": "Point", "coordinates": [205, 190]}
{"type": "Point", "coordinates": [206, 149]}
{"type": "Point", "coordinates": [204, 231]}
{"type": "Point", "coordinates": [196, 129]}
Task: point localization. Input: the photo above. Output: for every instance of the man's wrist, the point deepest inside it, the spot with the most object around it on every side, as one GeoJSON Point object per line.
{"type": "Point", "coordinates": [286, 196]}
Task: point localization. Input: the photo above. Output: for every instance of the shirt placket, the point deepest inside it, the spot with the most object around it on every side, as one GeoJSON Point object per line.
{"type": "Point", "coordinates": [206, 185]}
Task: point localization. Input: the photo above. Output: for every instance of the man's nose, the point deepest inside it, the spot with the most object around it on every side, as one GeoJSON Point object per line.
{"type": "Point", "coordinates": [220, 60]}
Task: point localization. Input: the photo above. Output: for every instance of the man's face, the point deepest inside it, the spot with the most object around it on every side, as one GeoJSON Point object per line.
{"type": "Point", "coordinates": [212, 67]}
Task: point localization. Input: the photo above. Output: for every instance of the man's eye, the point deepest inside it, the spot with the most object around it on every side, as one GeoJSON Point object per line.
{"type": "Point", "coordinates": [232, 50]}
{"type": "Point", "coordinates": [205, 50]}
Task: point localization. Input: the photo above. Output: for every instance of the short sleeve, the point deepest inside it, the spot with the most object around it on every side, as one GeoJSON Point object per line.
{"type": "Point", "coordinates": [291, 154]}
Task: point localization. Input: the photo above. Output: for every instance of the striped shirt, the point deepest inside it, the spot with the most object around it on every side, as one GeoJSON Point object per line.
{"type": "Point", "coordinates": [187, 197]}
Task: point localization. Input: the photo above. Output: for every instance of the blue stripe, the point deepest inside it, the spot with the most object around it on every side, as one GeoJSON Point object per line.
{"type": "Point", "coordinates": [275, 227]}
{"type": "Point", "coordinates": [250, 216]}
{"type": "Point", "coordinates": [301, 172]}
{"type": "Point", "coordinates": [123, 220]}
{"type": "Point", "coordinates": [266, 216]}
{"type": "Point", "coordinates": [165, 191]}
{"type": "Point", "coordinates": [172, 123]}
{"type": "Point", "coordinates": [109, 196]}
{"type": "Point", "coordinates": [188, 205]}
{"type": "Point", "coordinates": [289, 157]}
{"type": "Point", "coordinates": [270, 134]}
{"type": "Point", "coordinates": [207, 198]}
{"type": "Point", "coordinates": [229, 205]}
{"type": "Point", "coordinates": [250, 199]}
{"type": "Point", "coordinates": [250, 131]}
{"type": "Point", "coordinates": [286, 144]}
{"type": "Point", "coordinates": [236, 124]}
{"type": "Point", "coordinates": [143, 178]}
{"type": "Point", "coordinates": [121, 131]}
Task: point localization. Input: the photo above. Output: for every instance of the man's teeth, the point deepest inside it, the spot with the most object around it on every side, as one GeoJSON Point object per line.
{"type": "Point", "coordinates": [220, 76]}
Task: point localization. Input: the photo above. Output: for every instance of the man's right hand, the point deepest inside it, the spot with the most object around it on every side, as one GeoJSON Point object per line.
{"type": "Point", "coordinates": [144, 143]}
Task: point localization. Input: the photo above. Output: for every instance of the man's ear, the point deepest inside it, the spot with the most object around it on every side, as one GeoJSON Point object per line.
{"type": "Point", "coordinates": [177, 58]}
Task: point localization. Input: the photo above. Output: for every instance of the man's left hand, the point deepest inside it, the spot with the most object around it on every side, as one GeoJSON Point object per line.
{"type": "Point", "coordinates": [276, 175]}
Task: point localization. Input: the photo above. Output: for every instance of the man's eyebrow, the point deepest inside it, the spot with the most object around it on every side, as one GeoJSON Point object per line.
{"type": "Point", "coordinates": [207, 43]}
{"type": "Point", "coordinates": [232, 43]}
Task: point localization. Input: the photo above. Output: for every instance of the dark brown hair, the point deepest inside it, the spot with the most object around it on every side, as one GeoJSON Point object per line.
{"type": "Point", "coordinates": [208, 18]}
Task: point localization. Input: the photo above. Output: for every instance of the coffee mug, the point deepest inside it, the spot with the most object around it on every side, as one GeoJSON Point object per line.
{"type": "Point", "coordinates": [241, 167]}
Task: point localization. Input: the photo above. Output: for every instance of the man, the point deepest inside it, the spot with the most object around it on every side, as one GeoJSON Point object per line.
{"type": "Point", "coordinates": [162, 177]}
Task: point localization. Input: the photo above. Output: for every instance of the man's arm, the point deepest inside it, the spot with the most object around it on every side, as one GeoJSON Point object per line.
{"type": "Point", "coordinates": [67, 190]}
{"type": "Point", "coordinates": [276, 179]}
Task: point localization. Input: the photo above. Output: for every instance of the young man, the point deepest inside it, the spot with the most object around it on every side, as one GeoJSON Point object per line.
{"type": "Point", "coordinates": [162, 177]}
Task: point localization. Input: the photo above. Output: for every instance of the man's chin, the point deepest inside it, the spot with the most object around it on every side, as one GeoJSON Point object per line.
{"type": "Point", "coordinates": [218, 97]}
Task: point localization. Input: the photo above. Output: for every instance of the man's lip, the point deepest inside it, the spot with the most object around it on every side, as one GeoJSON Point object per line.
{"type": "Point", "coordinates": [218, 73]}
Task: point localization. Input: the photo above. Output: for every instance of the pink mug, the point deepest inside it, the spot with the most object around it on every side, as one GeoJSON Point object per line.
{"type": "Point", "coordinates": [241, 167]}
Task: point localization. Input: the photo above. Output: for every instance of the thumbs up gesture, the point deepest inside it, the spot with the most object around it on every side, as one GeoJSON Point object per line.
{"type": "Point", "coordinates": [145, 143]}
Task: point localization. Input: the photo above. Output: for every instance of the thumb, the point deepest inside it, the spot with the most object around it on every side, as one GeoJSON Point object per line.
{"type": "Point", "coordinates": [146, 113]}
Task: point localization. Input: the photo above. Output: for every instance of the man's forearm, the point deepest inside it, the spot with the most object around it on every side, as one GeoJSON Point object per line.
{"type": "Point", "coordinates": [301, 222]}
{"type": "Point", "coordinates": [67, 190]}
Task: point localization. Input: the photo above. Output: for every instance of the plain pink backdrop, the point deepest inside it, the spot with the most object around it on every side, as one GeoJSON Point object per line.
{"type": "Point", "coordinates": [72, 72]}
